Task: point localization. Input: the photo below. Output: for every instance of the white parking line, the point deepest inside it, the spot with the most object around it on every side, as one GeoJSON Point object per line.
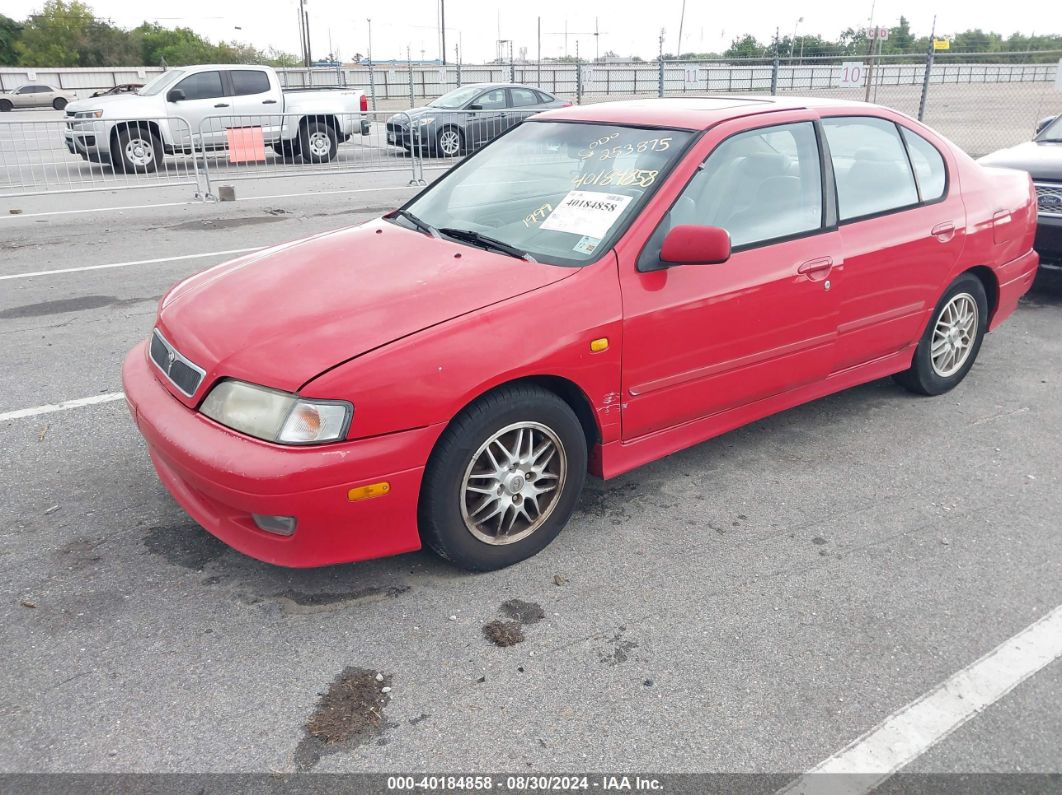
{"type": "Point", "coordinates": [226, 253]}
{"type": "Point", "coordinates": [912, 730]}
{"type": "Point", "coordinates": [66, 404]}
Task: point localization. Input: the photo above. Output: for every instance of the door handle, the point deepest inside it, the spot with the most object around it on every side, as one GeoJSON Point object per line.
{"type": "Point", "coordinates": [269, 102]}
{"type": "Point", "coordinates": [816, 269]}
{"type": "Point", "coordinates": [221, 105]}
{"type": "Point", "coordinates": [944, 231]}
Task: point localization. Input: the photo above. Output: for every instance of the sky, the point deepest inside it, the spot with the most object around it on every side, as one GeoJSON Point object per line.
{"type": "Point", "coordinates": [627, 27]}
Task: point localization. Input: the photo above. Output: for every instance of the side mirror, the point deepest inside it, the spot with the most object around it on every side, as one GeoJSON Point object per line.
{"type": "Point", "coordinates": [175, 95]}
{"type": "Point", "coordinates": [1042, 124]}
{"type": "Point", "coordinates": [695, 245]}
{"type": "Point", "coordinates": [474, 107]}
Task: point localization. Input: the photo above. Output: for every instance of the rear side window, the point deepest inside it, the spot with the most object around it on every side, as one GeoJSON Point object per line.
{"type": "Point", "coordinates": [523, 97]}
{"type": "Point", "coordinates": [544, 97]}
{"type": "Point", "coordinates": [205, 85]}
{"type": "Point", "coordinates": [870, 166]}
{"type": "Point", "coordinates": [249, 81]}
{"type": "Point", "coordinates": [928, 165]}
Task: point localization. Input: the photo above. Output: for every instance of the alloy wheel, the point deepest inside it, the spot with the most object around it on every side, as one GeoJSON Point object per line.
{"type": "Point", "coordinates": [513, 482]}
{"type": "Point", "coordinates": [954, 334]}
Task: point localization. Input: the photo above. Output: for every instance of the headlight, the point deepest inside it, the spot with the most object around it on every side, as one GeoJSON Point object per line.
{"type": "Point", "coordinates": [425, 121]}
{"type": "Point", "coordinates": [277, 416]}
{"type": "Point", "coordinates": [88, 114]}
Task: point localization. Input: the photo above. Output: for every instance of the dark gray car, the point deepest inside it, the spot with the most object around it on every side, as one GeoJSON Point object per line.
{"type": "Point", "coordinates": [466, 118]}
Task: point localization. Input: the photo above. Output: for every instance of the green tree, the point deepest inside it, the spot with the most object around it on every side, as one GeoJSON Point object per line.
{"type": "Point", "coordinates": [57, 35]}
{"type": "Point", "coordinates": [10, 30]}
{"type": "Point", "coordinates": [747, 46]}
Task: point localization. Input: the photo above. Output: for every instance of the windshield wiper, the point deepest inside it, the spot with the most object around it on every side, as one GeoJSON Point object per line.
{"type": "Point", "coordinates": [484, 241]}
{"type": "Point", "coordinates": [422, 226]}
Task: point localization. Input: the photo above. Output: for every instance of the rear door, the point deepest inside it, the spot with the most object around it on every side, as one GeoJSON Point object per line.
{"type": "Point", "coordinates": [523, 102]}
{"type": "Point", "coordinates": [701, 339]}
{"type": "Point", "coordinates": [901, 225]}
{"type": "Point", "coordinates": [254, 101]}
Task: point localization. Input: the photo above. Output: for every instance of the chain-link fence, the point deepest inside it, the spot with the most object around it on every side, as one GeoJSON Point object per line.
{"type": "Point", "coordinates": [980, 106]}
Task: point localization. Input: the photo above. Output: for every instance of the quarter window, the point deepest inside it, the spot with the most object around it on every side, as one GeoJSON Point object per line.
{"type": "Point", "coordinates": [759, 185]}
{"type": "Point", "coordinates": [249, 81]}
{"type": "Point", "coordinates": [204, 85]}
{"type": "Point", "coordinates": [870, 166]}
{"type": "Point", "coordinates": [928, 166]}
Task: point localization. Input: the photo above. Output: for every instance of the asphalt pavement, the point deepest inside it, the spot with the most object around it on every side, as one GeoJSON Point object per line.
{"type": "Point", "coordinates": [753, 604]}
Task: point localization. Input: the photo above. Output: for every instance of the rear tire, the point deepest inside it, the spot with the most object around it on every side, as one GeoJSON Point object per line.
{"type": "Point", "coordinates": [951, 341]}
{"type": "Point", "coordinates": [503, 479]}
{"type": "Point", "coordinates": [317, 142]}
{"type": "Point", "coordinates": [59, 103]}
{"type": "Point", "coordinates": [138, 152]}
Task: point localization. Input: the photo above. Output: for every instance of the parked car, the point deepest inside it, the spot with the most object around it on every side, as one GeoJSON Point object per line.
{"type": "Point", "coordinates": [133, 131]}
{"type": "Point", "coordinates": [1042, 158]}
{"type": "Point", "coordinates": [600, 287]}
{"type": "Point", "coordinates": [121, 88]}
{"type": "Point", "coordinates": [35, 95]}
{"type": "Point", "coordinates": [467, 118]}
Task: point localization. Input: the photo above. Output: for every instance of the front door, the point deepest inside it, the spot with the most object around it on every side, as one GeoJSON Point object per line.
{"type": "Point", "coordinates": [701, 339]}
{"type": "Point", "coordinates": [204, 98]}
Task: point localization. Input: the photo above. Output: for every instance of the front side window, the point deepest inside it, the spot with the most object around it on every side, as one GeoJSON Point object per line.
{"type": "Point", "coordinates": [562, 192]}
{"type": "Point", "coordinates": [928, 166]}
{"type": "Point", "coordinates": [204, 85]}
{"type": "Point", "coordinates": [759, 185]}
{"type": "Point", "coordinates": [249, 81]}
{"type": "Point", "coordinates": [492, 100]}
{"type": "Point", "coordinates": [870, 166]}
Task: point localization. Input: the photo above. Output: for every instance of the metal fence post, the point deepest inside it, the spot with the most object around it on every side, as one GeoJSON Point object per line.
{"type": "Point", "coordinates": [578, 83]}
{"type": "Point", "coordinates": [774, 76]}
{"type": "Point", "coordinates": [409, 64]}
{"type": "Point", "coordinates": [372, 84]}
{"type": "Point", "coordinates": [925, 82]}
{"type": "Point", "coordinates": [660, 77]}
{"type": "Point", "coordinates": [458, 74]}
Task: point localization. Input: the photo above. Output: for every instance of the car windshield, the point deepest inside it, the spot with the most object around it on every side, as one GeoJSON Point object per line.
{"type": "Point", "coordinates": [456, 98]}
{"type": "Point", "coordinates": [161, 83]}
{"type": "Point", "coordinates": [1052, 132]}
{"type": "Point", "coordinates": [559, 191]}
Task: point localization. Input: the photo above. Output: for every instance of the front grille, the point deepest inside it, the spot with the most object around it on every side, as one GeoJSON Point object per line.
{"type": "Point", "coordinates": [182, 373]}
{"type": "Point", "coordinates": [1049, 198]}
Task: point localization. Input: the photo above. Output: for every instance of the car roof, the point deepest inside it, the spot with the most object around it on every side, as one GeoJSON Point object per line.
{"type": "Point", "coordinates": [692, 113]}
{"type": "Point", "coordinates": [504, 85]}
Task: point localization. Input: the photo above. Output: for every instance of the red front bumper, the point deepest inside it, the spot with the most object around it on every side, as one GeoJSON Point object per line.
{"type": "Point", "coordinates": [221, 478]}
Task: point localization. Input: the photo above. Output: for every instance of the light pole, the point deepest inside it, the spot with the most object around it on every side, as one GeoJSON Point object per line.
{"type": "Point", "coordinates": [792, 44]}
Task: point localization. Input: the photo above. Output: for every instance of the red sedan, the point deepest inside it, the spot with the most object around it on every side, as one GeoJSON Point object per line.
{"type": "Point", "coordinates": [600, 287]}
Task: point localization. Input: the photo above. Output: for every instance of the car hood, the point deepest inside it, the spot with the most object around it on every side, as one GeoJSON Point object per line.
{"type": "Point", "coordinates": [1043, 160]}
{"type": "Point", "coordinates": [416, 113]}
{"type": "Point", "coordinates": [113, 103]}
{"type": "Point", "coordinates": [282, 316]}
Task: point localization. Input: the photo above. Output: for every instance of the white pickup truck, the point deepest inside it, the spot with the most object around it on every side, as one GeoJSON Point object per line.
{"type": "Point", "coordinates": [196, 106]}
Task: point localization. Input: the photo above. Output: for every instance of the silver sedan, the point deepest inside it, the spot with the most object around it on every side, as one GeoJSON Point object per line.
{"type": "Point", "coordinates": [36, 95]}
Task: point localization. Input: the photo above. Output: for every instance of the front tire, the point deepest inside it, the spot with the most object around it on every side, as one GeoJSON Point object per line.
{"type": "Point", "coordinates": [139, 151]}
{"type": "Point", "coordinates": [503, 479]}
{"type": "Point", "coordinates": [951, 341]}
{"type": "Point", "coordinates": [450, 142]}
{"type": "Point", "coordinates": [5, 105]}
{"type": "Point", "coordinates": [317, 142]}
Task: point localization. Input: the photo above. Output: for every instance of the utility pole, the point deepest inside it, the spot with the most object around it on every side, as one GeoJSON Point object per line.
{"type": "Point", "coordinates": [302, 36]}
{"type": "Point", "coordinates": [597, 43]}
{"type": "Point", "coordinates": [929, 68]}
{"type": "Point", "coordinates": [538, 60]}
{"type": "Point", "coordinates": [442, 28]}
{"type": "Point", "coordinates": [682, 21]}
{"type": "Point", "coordinates": [870, 51]}
{"type": "Point", "coordinates": [309, 53]}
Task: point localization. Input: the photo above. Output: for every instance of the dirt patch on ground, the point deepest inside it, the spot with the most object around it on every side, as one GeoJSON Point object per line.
{"type": "Point", "coordinates": [524, 612]}
{"type": "Point", "coordinates": [80, 553]}
{"type": "Point", "coordinates": [348, 714]}
{"type": "Point", "coordinates": [620, 649]}
{"type": "Point", "coordinates": [186, 545]}
{"type": "Point", "coordinates": [503, 633]}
